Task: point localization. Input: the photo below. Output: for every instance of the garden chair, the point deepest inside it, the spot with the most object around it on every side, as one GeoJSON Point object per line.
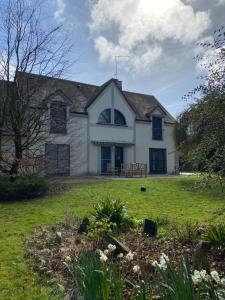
{"type": "Point", "coordinates": [111, 170]}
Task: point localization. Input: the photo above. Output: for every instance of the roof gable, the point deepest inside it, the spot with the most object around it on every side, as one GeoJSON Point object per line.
{"type": "Point", "coordinates": [101, 89]}
{"type": "Point", "coordinates": [58, 95]}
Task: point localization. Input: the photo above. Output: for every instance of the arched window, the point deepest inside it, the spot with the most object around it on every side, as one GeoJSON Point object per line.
{"type": "Point", "coordinates": [119, 118]}
{"type": "Point", "coordinates": [105, 116]}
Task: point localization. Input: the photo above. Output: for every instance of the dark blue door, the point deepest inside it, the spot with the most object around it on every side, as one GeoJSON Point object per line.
{"type": "Point", "coordinates": [118, 157]}
{"type": "Point", "coordinates": [157, 159]}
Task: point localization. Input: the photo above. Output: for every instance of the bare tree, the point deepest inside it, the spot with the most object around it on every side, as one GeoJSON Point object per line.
{"type": "Point", "coordinates": [27, 47]}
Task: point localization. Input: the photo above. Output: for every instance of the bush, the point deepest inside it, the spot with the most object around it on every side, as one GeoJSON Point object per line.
{"type": "Point", "coordinates": [215, 233]}
{"type": "Point", "coordinates": [114, 214]}
{"type": "Point", "coordinates": [22, 188]}
{"type": "Point", "coordinates": [186, 232]}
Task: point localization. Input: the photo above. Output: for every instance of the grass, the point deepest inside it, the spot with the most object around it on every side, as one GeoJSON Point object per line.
{"type": "Point", "coordinates": [173, 197]}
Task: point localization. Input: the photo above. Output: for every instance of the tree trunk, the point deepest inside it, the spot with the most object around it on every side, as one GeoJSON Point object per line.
{"type": "Point", "coordinates": [18, 154]}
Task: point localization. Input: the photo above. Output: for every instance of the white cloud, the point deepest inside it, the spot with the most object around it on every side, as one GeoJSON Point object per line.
{"type": "Point", "coordinates": [138, 28]}
{"type": "Point", "coordinates": [211, 59]}
{"type": "Point", "coordinates": [59, 13]}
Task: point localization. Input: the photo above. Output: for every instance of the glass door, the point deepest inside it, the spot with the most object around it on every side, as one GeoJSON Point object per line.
{"type": "Point", "coordinates": [106, 158]}
{"type": "Point", "coordinates": [157, 159]}
{"type": "Point", "coordinates": [118, 157]}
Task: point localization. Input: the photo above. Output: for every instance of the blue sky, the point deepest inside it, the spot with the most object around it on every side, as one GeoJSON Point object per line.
{"type": "Point", "coordinates": [158, 36]}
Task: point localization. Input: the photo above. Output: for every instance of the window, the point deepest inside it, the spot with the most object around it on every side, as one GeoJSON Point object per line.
{"type": "Point", "coordinates": [156, 128]}
{"type": "Point", "coordinates": [57, 159]}
{"type": "Point", "coordinates": [119, 118]}
{"type": "Point", "coordinates": [58, 117]}
{"type": "Point", "coordinates": [105, 116]}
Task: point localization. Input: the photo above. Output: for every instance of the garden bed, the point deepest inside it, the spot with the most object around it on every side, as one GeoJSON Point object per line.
{"type": "Point", "coordinates": [57, 248]}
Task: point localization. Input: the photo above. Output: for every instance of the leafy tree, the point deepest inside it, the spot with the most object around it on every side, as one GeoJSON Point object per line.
{"type": "Point", "coordinates": [200, 129]}
{"type": "Point", "coordinates": [201, 134]}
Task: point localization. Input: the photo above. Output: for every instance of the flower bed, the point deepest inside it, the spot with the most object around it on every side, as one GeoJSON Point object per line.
{"type": "Point", "coordinates": [57, 250]}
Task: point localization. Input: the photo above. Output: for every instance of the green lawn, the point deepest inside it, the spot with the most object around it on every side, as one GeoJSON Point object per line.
{"type": "Point", "coordinates": [174, 197]}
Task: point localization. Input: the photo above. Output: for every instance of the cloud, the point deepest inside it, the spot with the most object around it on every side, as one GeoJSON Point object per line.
{"type": "Point", "coordinates": [215, 2]}
{"type": "Point", "coordinates": [59, 13]}
{"type": "Point", "coordinates": [210, 59]}
{"type": "Point", "coordinates": [139, 29]}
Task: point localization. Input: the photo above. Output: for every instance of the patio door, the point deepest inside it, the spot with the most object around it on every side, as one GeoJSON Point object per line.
{"type": "Point", "coordinates": [106, 158]}
{"type": "Point", "coordinates": [157, 159]}
{"type": "Point", "coordinates": [118, 157]}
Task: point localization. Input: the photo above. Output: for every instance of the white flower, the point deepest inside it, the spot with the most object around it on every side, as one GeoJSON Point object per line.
{"type": "Point", "coordinates": [136, 269]}
{"type": "Point", "coordinates": [155, 264]}
{"type": "Point", "coordinates": [68, 258]}
{"type": "Point", "coordinates": [111, 247]}
{"type": "Point", "coordinates": [215, 276]}
{"type": "Point", "coordinates": [120, 255]}
{"type": "Point", "coordinates": [200, 276]}
{"type": "Point", "coordinates": [196, 278]}
{"type": "Point", "coordinates": [106, 251]}
{"type": "Point", "coordinates": [165, 257]}
{"type": "Point", "coordinates": [222, 281]}
{"type": "Point", "coordinates": [129, 256]}
{"type": "Point", "coordinates": [103, 257]}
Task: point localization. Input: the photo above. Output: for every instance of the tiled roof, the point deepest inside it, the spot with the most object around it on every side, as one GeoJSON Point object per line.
{"type": "Point", "coordinates": [82, 95]}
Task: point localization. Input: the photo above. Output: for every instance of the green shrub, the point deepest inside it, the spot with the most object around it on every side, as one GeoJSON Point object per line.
{"type": "Point", "coordinates": [186, 232]}
{"type": "Point", "coordinates": [22, 188]}
{"type": "Point", "coordinates": [112, 213]}
{"type": "Point", "coordinates": [215, 233]}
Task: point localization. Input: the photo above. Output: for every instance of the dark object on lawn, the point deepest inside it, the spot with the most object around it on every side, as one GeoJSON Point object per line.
{"type": "Point", "coordinates": [83, 228]}
{"type": "Point", "coordinates": [200, 260]}
{"type": "Point", "coordinates": [120, 248]}
{"type": "Point", "coordinates": [150, 227]}
{"type": "Point", "coordinates": [143, 188]}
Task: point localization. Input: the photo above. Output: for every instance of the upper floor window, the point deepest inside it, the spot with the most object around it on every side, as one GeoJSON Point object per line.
{"type": "Point", "coordinates": [58, 117]}
{"type": "Point", "coordinates": [156, 128]}
{"type": "Point", "coordinates": [119, 118]}
{"type": "Point", "coordinates": [106, 118]}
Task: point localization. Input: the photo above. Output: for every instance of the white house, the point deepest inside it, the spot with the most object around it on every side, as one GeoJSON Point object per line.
{"type": "Point", "coordinates": [93, 126]}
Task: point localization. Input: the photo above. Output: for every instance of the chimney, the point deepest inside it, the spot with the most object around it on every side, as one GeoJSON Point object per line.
{"type": "Point", "coordinates": [119, 83]}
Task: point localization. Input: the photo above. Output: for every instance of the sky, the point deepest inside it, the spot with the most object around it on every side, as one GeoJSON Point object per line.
{"type": "Point", "coordinates": [157, 40]}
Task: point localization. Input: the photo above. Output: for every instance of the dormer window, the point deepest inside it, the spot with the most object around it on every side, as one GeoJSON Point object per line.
{"type": "Point", "coordinates": [156, 128]}
{"type": "Point", "coordinates": [106, 117]}
{"type": "Point", "coordinates": [58, 117]}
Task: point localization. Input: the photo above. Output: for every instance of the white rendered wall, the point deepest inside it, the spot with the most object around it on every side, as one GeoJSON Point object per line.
{"type": "Point", "coordinates": [144, 142]}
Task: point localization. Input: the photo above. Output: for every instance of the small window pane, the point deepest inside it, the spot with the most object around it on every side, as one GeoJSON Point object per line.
{"type": "Point", "coordinates": [119, 118]}
{"type": "Point", "coordinates": [105, 117]}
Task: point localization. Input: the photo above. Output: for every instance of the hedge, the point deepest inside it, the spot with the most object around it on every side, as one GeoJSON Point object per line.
{"type": "Point", "coordinates": [22, 188]}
